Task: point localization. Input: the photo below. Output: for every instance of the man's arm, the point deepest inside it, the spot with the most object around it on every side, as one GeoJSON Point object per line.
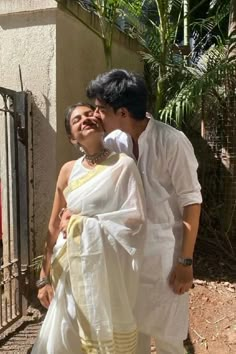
{"type": "Point", "coordinates": [181, 277]}
{"type": "Point", "coordinates": [182, 166]}
{"type": "Point", "coordinates": [191, 218]}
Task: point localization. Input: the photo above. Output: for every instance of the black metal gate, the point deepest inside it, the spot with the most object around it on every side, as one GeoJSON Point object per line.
{"type": "Point", "coordinates": [14, 195]}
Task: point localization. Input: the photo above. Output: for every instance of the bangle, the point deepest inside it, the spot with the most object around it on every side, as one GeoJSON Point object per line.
{"type": "Point", "coordinates": [61, 213]}
{"type": "Point", "coordinates": [42, 282]}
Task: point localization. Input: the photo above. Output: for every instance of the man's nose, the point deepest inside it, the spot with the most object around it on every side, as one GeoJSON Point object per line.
{"type": "Point", "coordinates": [96, 113]}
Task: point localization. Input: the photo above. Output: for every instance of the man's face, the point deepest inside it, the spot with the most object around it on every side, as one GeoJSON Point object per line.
{"type": "Point", "coordinates": [111, 120]}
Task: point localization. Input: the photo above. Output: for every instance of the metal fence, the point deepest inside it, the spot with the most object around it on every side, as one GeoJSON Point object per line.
{"type": "Point", "coordinates": [14, 195]}
{"type": "Point", "coordinates": [219, 186]}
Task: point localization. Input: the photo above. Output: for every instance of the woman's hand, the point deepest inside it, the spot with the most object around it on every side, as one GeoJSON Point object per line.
{"type": "Point", "coordinates": [45, 295]}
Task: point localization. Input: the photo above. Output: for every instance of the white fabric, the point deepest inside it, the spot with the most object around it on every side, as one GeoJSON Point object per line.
{"type": "Point", "coordinates": [59, 332]}
{"type": "Point", "coordinates": [96, 292]}
{"type": "Point", "coordinates": [163, 347]}
{"type": "Point", "coordinates": [168, 169]}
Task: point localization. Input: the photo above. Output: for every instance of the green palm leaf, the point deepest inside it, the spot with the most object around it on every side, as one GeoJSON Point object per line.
{"type": "Point", "coordinates": [200, 79]}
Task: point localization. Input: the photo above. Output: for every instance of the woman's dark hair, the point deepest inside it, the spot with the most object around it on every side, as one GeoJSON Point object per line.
{"type": "Point", "coordinates": [69, 111]}
{"type": "Point", "coordinates": [120, 88]}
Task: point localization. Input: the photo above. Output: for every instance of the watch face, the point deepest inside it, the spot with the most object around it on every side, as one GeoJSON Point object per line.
{"type": "Point", "coordinates": [188, 261]}
{"type": "Point", "coordinates": [185, 261]}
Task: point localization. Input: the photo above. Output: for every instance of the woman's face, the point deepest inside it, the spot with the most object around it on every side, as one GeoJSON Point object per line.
{"type": "Point", "coordinates": [83, 125]}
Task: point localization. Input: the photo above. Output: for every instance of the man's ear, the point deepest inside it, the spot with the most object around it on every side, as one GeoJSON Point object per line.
{"type": "Point", "coordinates": [124, 112]}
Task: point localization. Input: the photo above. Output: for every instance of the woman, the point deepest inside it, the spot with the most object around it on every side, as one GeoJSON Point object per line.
{"type": "Point", "coordinates": [94, 270]}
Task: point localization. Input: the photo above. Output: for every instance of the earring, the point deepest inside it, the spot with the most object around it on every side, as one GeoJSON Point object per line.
{"type": "Point", "coordinates": [81, 150]}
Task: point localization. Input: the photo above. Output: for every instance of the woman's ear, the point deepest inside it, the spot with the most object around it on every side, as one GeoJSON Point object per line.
{"type": "Point", "coordinates": [72, 140]}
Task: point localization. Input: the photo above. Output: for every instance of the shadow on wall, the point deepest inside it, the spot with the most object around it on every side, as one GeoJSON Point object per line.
{"type": "Point", "coordinates": [23, 20]}
{"type": "Point", "coordinates": [214, 247]}
{"type": "Point", "coordinates": [44, 172]}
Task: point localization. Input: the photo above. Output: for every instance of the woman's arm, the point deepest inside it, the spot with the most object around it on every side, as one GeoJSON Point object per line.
{"type": "Point", "coordinates": [45, 293]}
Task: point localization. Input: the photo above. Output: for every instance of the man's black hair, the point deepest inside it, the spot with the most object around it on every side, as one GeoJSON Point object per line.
{"type": "Point", "coordinates": [121, 88]}
{"type": "Point", "coordinates": [69, 111]}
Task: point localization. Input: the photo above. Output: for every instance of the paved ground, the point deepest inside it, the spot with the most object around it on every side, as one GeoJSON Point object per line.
{"type": "Point", "coordinates": [21, 336]}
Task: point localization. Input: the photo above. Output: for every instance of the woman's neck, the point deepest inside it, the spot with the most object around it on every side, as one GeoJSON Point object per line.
{"type": "Point", "coordinates": [93, 149]}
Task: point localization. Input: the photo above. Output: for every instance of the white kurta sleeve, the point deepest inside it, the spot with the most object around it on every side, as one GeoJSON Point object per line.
{"type": "Point", "coordinates": [119, 141]}
{"type": "Point", "coordinates": [182, 167]}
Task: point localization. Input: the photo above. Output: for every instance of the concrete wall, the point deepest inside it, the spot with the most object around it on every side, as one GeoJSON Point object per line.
{"type": "Point", "coordinates": [58, 55]}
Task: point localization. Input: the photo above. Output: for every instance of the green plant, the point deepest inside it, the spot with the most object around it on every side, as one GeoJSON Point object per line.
{"type": "Point", "coordinates": [199, 79]}
{"type": "Point", "coordinates": [155, 25]}
{"type": "Point", "coordinates": [36, 264]}
{"type": "Point", "coordinates": [178, 75]}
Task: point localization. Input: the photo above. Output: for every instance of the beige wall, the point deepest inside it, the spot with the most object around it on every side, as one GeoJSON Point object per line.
{"type": "Point", "coordinates": [58, 56]}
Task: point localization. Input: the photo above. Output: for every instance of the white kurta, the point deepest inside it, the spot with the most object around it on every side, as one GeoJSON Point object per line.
{"type": "Point", "coordinates": [168, 169]}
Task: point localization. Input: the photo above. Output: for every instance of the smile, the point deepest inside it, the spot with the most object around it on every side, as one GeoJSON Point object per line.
{"type": "Point", "coordinates": [90, 126]}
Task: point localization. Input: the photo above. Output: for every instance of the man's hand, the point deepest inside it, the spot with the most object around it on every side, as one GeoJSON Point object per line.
{"type": "Point", "coordinates": [45, 295]}
{"type": "Point", "coordinates": [65, 218]}
{"type": "Point", "coordinates": [181, 278]}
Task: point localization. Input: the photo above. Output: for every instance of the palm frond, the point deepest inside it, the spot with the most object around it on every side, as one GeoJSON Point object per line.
{"type": "Point", "coordinates": [202, 79]}
{"type": "Point", "coordinates": [131, 12]}
{"type": "Point", "coordinates": [36, 264]}
{"type": "Point", "coordinates": [174, 5]}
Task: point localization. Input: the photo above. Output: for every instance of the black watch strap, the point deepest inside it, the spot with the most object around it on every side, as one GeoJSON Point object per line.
{"type": "Point", "coordinates": [185, 261]}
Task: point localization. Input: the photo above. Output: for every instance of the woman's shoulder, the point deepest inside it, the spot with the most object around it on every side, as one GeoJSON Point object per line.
{"type": "Point", "coordinates": [67, 167]}
{"type": "Point", "coordinates": [65, 172]}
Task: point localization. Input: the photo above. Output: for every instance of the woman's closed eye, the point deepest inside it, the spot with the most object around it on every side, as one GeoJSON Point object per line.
{"type": "Point", "coordinates": [88, 114]}
{"type": "Point", "coordinates": [75, 120]}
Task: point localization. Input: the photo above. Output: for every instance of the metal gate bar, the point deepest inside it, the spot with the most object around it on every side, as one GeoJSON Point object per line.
{"type": "Point", "coordinates": [13, 123]}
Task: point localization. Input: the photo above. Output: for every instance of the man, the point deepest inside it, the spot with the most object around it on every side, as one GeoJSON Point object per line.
{"type": "Point", "coordinates": [168, 168]}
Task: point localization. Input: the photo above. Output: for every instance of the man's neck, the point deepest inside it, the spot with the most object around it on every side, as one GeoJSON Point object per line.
{"type": "Point", "coordinates": [135, 128]}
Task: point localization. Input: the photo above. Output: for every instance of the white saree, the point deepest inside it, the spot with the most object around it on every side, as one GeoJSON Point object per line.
{"type": "Point", "coordinates": [95, 271]}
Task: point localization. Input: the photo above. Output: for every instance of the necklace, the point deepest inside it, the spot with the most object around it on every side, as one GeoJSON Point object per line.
{"type": "Point", "coordinates": [95, 158]}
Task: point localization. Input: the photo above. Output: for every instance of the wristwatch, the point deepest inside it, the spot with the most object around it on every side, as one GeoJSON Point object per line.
{"type": "Point", "coordinates": [185, 261]}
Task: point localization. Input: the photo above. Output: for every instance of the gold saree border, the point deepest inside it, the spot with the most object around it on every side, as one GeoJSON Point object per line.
{"type": "Point", "coordinates": [59, 263]}
{"type": "Point", "coordinates": [121, 343]}
{"type": "Point", "coordinates": [58, 266]}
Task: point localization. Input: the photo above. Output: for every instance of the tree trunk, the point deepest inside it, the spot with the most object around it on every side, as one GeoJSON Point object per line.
{"type": "Point", "coordinates": [186, 22]}
{"type": "Point", "coordinates": [232, 30]}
